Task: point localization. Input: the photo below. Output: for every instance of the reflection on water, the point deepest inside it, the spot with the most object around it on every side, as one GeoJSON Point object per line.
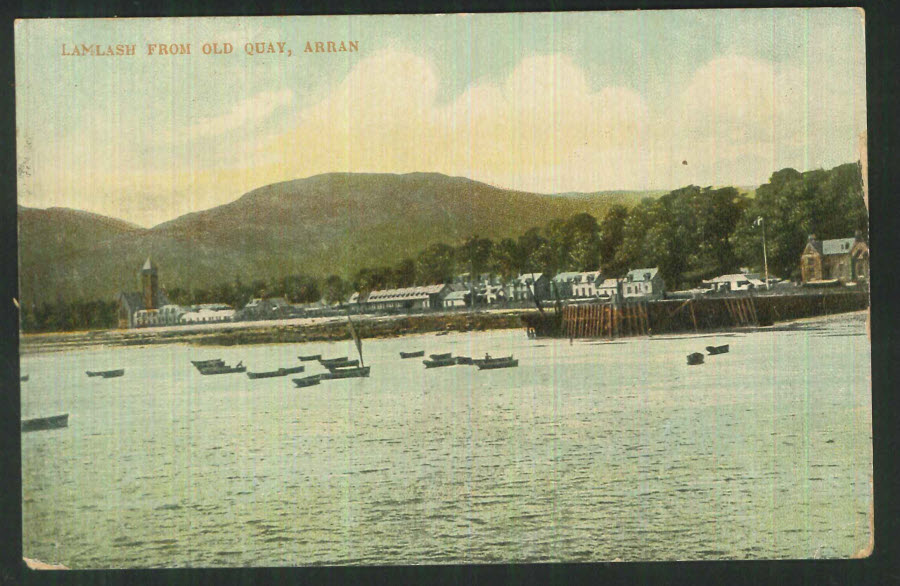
{"type": "Point", "coordinates": [585, 452]}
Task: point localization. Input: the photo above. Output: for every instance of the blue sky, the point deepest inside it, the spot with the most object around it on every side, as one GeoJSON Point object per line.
{"type": "Point", "coordinates": [542, 102]}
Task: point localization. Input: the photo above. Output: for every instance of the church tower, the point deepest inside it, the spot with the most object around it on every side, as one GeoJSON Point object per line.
{"type": "Point", "coordinates": [149, 284]}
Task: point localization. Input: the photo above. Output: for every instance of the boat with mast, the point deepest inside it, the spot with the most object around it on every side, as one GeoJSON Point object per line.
{"type": "Point", "coordinates": [346, 368]}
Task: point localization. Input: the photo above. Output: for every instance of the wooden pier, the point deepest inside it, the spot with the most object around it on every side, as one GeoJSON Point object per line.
{"type": "Point", "coordinates": [646, 318]}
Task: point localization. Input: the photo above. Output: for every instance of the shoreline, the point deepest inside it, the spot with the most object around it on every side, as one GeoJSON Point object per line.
{"type": "Point", "coordinates": [300, 331]}
{"type": "Point", "coordinates": [278, 331]}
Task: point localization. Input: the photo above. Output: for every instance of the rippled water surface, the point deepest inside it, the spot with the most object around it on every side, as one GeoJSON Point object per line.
{"type": "Point", "coordinates": [586, 452]}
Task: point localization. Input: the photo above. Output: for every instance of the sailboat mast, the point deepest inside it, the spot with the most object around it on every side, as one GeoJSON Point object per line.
{"type": "Point", "coordinates": [355, 339]}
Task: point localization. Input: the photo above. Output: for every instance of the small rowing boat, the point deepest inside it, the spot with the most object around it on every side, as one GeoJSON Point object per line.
{"type": "Point", "coordinates": [24, 378]}
{"type": "Point", "coordinates": [440, 356]}
{"type": "Point", "coordinates": [310, 357]}
{"type": "Point", "coordinates": [308, 381]}
{"type": "Point", "coordinates": [223, 369]}
{"type": "Point", "coordinates": [106, 373]}
{"type": "Point", "coordinates": [439, 362]}
{"type": "Point", "coordinates": [356, 372]}
{"type": "Point", "coordinates": [274, 373]}
{"type": "Point", "coordinates": [488, 359]}
{"type": "Point", "coordinates": [342, 364]}
{"type": "Point", "coordinates": [694, 358]}
{"type": "Point", "coordinates": [492, 363]}
{"type": "Point", "coordinates": [713, 350]}
{"type": "Point", "coordinates": [415, 354]}
{"type": "Point", "coordinates": [327, 361]}
{"type": "Point", "coordinates": [42, 423]}
{"type": "Point", "coordinates": [202, 363]}
{"type": "Point", "coordinates": [463, 360]}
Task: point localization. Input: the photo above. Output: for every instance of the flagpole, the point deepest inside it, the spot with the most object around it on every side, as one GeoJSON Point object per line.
{"type": "Point", "coordinates": [765, 258]}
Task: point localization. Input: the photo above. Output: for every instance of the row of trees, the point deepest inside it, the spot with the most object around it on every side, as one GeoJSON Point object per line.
{"type": "Point", "coordinates": [296, 288]}
{"type": "Point", "coordinates": [69, 316]}
{"type": "Point", "coordinates": [691, 233]}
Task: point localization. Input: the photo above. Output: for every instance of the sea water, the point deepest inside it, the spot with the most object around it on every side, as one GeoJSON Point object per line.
{"type": "Point", "coordinates": [588, 451]}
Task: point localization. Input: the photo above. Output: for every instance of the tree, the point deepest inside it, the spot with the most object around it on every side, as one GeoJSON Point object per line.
{"type": "Point", "coordinates": [507, 258]}
{"type": "Point", "coordinates": [436, 264]}
{"type": "Point", "coordinates": [299, 289]}
{"type": "Point", "coordinates": [372, 279]}
{"type": "Point", "coordinates": [475, 254]}
{"type": "Point", "coordinates": [534, 250]}
{"type": "Point", "coordinates": [612, 232]}
{"type": "Point", "coordinates": [583, 243]}
{"type": "Point", "coordinates": [404, 274]}
{"type": "Point", "coordinates": [334, 289]}
{"type": "Point", "coordinates": [795, 205]}
{"type": "Point", "coordinates": [686, 233]}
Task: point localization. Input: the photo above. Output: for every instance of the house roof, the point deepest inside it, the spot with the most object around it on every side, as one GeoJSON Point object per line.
{"type": "Point", "coordinates": [457, 295]}
{"type": "Point", "coordinates": [406, 293]}
{"type": "Point", "coordinates": [132, 299]}
{"type": "Point", "coordinates": [135, 299]}
{"type": "Point", "coordinates": [838, 246]}
{"type": "Point", "coordinates": [609, 283]}
{"type": "Point", "coordinates": [642, 274]}
{"type": "Point", "coordinates": [734, 277]}
{"type": "Point", "coordinates": [566, 276]}
{"type": "Point", "coordinates": [525, 276]}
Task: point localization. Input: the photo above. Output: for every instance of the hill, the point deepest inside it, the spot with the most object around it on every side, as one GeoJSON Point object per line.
{"type": "Point", "coordinates": [331, 223]}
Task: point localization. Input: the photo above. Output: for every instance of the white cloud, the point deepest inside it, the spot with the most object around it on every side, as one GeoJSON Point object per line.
{"type": "Point", "coordinates": [547, 126]}
{"type": "Point", "coordinates": [245, 113]}
{"type": "Point", "coordinates": [542, 128]}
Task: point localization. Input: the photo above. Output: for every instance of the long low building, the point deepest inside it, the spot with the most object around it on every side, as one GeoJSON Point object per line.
{"type": "Point", "coordinates": [427, 297]}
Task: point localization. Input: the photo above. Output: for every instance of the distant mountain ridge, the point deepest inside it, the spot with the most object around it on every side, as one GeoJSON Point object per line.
{"type": "Point", "coordinates": [330, 223]}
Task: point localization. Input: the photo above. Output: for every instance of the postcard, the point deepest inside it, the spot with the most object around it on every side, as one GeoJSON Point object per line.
{"type": "Point", "coordinates": [444, 289]}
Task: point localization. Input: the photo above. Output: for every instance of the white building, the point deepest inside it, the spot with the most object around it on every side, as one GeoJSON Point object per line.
{"type": "Point", "coordinates": [455, 299]}
{"type": "Point", "coordinates": [733, 282]}
{"type": "Point", "coordinates": [586, 284]}
{"type": "Point", "coordinates": [208, 313]}
{"type": "Point", "coordinates": [608, 289]}
{"type": "Point", "coordinates": [643, 284]}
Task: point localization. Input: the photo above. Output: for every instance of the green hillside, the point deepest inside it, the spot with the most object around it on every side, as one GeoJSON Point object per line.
{"type": "Point", "coordinates": [332, 223]}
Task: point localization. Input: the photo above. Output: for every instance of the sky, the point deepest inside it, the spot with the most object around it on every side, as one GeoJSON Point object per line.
{"type": "Point", "coordinates": [549, 102]}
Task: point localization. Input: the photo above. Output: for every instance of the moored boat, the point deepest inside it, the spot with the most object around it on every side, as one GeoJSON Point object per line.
{"type": "Point", "coordinates": [292, 369]}
{"type": "Point", "coordinates": [310, 357]}
{"type": "Point", "coordinates": [274, 373]}
{"type": "Point", "coordinates": [492, 363]}
{"type": "Point", "coordinates": [42, 423]}
{"type": "Point", "coordinates": [342, 364]}
{"type": "Point", "coordinates": [223, 369]}
{"type": "Point", "coordinates": [327, 361]}
{"type": "Point", "coordinates": [438, 362]}
{"type": "Point", "coordinates": [440, 356]}
{"type": "Point", "coordinates": [713, 350]}
{"type": "Point", "coordinates": [463, 360]}
{"type": "Point", "coordinates": [308, 381]}
{"type": "Point", "coordinates": [24, 378]}
{"type": "Point", "coordinates": [106, 373]}
{"type": "Point", "coordinates": [415, 354]}
{"type": "Point", "coordinates": [202, 363]}
{"type": "Point", "coordinates": [488, 359]}
{"type": "Point", "coordinates": [694, 358]}
{"type": "Point", "coordinates": [354, 372]}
